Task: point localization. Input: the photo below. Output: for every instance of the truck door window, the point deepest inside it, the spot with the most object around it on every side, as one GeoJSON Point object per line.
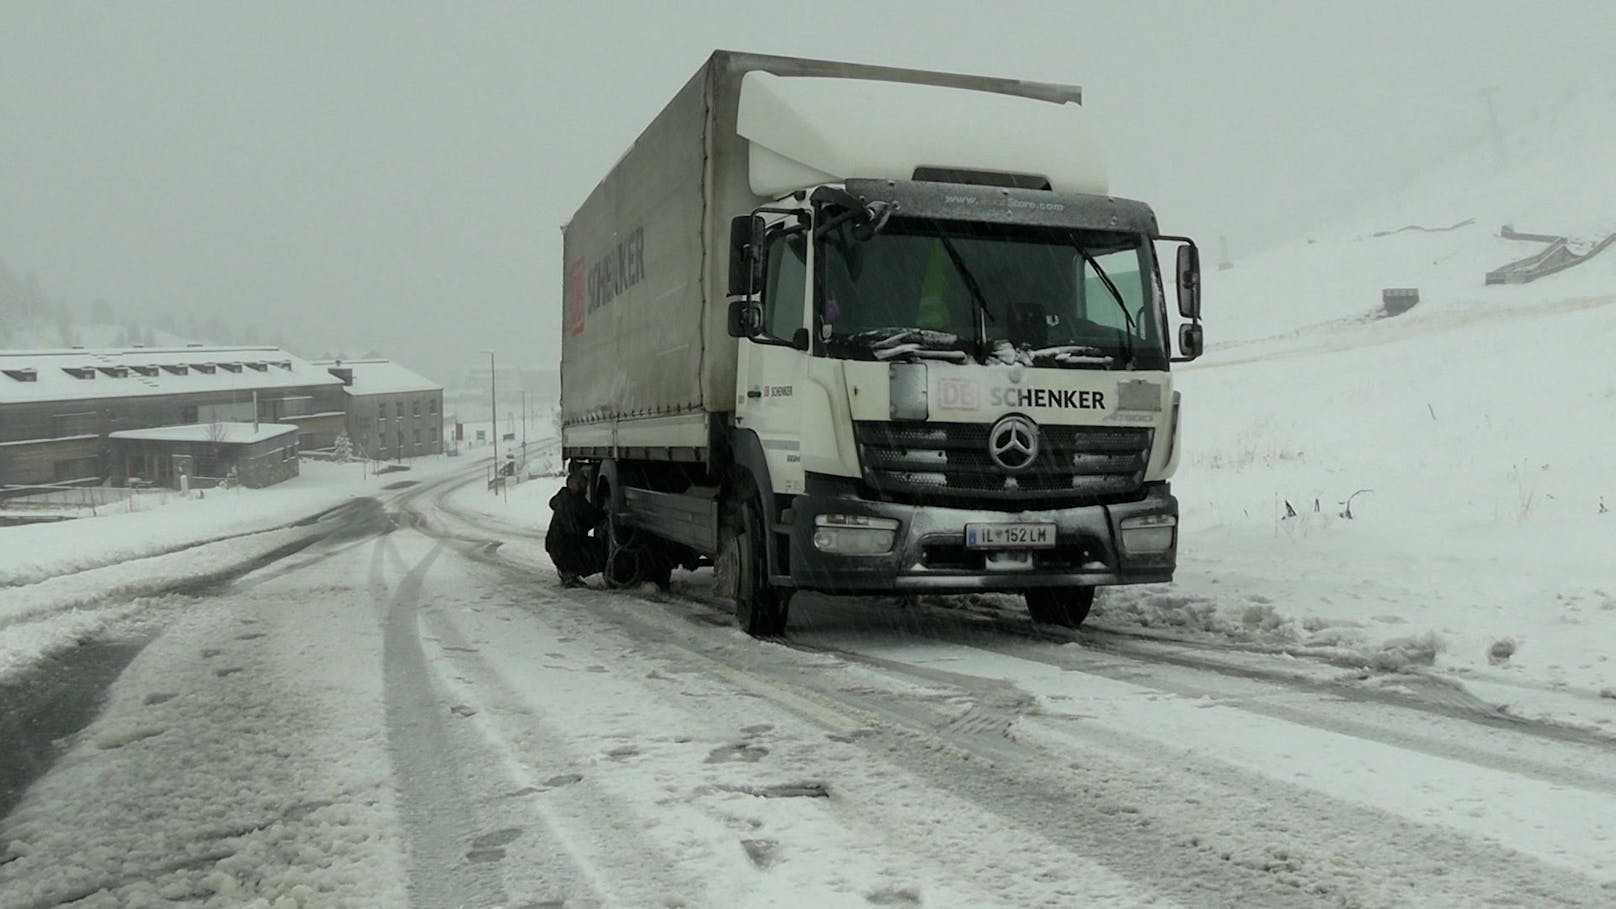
{"type": "Point", "coordinates": [785, 285]}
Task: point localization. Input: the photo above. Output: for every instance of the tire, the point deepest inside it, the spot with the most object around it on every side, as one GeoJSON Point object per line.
{"type": "Point", "coordinates": [657, 568]}
{"type": "Point", "coordinates": [625, 562]}
{"type": "Point", "coordinates": [760, 610]}
{"type": "Point", "coordinates": [623, 568]}
{"type": "Point", "coordinates": [1064, 606]}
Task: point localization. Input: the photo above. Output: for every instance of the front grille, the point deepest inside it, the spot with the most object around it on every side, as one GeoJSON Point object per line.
{"type": "Point", "coordinates": [948, 464]}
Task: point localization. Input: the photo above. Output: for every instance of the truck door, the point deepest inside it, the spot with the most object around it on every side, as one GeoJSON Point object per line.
{"type": "Point", "coordinates": [771, 368]}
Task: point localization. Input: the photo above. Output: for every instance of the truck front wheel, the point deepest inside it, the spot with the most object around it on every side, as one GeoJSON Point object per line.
{"type": "Point", "coordinates": [1067, 606]}
{"type": "Point", "coordinates": [760, 609]}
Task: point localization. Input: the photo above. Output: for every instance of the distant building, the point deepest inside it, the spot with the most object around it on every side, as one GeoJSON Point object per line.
{"type": "Point", "coordinates": [253, 455]}
{"type": "Point", "coordinates": [469, 398]}
{"type": "Point", "coordinates": [59, 408]}
{"type": "Point", "coordinates": [391, 411]}
{"type": "Point", "coordinates": [65, 415]}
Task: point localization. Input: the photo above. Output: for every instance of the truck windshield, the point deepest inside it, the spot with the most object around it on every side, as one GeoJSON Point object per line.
{"type": "Point", "coordinates": [989, 292]}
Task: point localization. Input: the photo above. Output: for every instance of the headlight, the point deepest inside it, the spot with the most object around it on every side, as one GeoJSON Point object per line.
{"type": "Point", "coordinates": [1148, 533]}
{"type": "Point", "coordinates": [854, 534]}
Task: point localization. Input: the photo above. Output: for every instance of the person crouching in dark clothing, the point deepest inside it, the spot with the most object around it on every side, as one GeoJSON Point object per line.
{"type": "Point", "coordinates": [574, 551]}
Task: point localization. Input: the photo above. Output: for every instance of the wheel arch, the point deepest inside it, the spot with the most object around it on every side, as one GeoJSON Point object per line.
{"type": "Point", "coordinates": [751, 468]}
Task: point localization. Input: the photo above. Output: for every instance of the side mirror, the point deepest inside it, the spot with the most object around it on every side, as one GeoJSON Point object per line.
{"type": "Point", "coordinates": [1189, 281]}
{"type": "Point", "coordinates": [745, 265]}
{"type": "Point", "coordinates": [1190, 340]}
{"type": "Point", "coordinates": [744, 319]}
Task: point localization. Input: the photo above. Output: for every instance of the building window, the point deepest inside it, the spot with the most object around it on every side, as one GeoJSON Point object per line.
{"type": "Point", "coordinates": [188, 413]}
{"type": "Point", "coordinates": [75, 424]}
{"type": "Point", "coordinates": [77, 469]}
{"type": "Point", "coordinates": [418, 437]}
{"type": "Point", "coordinates": [415, 408]}
{"type": "Point", "coordinates": [398, 408]}
{"type": "Point", "coordinates": [432, 405]}
{"type": "Point", "coordinates": [434, 433]}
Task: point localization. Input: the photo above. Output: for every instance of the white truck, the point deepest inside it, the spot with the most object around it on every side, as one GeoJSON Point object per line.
{"type": "Point", "coordinates": [862, 330]}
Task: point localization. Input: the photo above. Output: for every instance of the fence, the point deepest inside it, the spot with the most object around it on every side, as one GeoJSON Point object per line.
{"type": "Point", "coordinates": [26, 497]}
{"type": "Point", "coordinates": [74, 501]}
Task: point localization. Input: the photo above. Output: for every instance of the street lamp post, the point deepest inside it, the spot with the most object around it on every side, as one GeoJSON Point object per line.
{"type": "Point", "coordinates": [493, 410]}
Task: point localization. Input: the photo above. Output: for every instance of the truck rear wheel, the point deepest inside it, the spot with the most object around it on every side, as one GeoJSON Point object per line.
{"type": "Point", "coordinates": [623, 567]}
{"type": "Point", "coordinates": [760, 609]}
{"type": "Point", "coordinates": [624, 555]}
{"type": "Point", "coordinates": [1066, 606]}
{"type": "Point", "coordinates": [657, 567]}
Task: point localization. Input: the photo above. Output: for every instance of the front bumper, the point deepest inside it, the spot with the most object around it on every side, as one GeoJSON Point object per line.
{"type": "Point", "coordinates": [929, 553]}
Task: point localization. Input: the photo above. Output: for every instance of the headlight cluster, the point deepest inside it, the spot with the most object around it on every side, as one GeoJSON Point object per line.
{"type": "Point", "coordinates": [854, 534]}
{"type": "Point", "coordinates": [1148, 533]}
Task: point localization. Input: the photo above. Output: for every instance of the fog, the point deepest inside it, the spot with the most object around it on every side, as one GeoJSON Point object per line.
{"type": "Point", "coordinates": [393, 177]}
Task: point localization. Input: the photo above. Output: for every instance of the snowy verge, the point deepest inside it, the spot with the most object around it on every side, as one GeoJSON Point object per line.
{"type": "Point", "coordinates": [34, 552]}
{"type": "Point", "coordinates": [115, 581]}
{"type": "Point", "coordinates": [240, 761]}
{"type": "Point", "coordinates": [40, 618]}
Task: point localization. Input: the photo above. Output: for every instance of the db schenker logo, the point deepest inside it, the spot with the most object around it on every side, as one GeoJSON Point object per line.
{"type": "Point", "coordinates": [576, 286]}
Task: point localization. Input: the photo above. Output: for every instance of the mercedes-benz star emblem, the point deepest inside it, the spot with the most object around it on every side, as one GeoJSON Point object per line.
{"type": "Point", "coordinates": [1013, 443]}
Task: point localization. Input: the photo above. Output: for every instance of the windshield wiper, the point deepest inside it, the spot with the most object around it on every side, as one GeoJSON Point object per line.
{"type": "Point", "coordinates": [979, 302]}
{"type": "Point", "coordinates": [1127, 336]}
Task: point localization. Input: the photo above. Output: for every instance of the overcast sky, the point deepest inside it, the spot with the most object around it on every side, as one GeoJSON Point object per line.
{"type": "Point", "coordinates": [393, 176]}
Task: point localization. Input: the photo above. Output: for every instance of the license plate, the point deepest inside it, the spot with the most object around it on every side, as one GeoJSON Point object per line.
{"type": "Point", "coordinates": [1009, 536]}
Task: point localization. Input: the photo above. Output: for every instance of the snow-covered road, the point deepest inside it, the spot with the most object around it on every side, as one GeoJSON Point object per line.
{"type": "Point", "coordinates": [422, 717]}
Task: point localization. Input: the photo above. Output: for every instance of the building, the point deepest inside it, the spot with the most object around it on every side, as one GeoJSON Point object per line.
{"type": "Point", "coordinates": [391, 411]}
{"type": "Point", "coordinates": [206, 454]}
{"type": "Point", "coordinates": [59, 408]}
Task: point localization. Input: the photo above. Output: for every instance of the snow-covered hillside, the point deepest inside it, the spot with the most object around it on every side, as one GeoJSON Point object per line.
{"type": "Point", "coordinates": [1475, 436]}
{"type": "Point", "coordinates": [1441, 233]}
{"type": "Point", "coordinates": [48, 336]}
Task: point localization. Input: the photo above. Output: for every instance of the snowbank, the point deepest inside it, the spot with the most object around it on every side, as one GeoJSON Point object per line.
{"type": "Point", "coordinates": [33, 552]}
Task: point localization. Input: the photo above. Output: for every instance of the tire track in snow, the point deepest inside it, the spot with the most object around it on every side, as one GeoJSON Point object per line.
{"type": "Point", "coordinates": [1323, 704]}
{"type": "Point", "coordinates": [591, 828]}
{"type": "Point", "coordinates": [434, 797]}
{"type": "Point", "coordinates": [1231, 829]}
{"type": "Point", "coordinates": [877, 809]}
{"type": "Point", "coordinates": [971, 770]}
{"type": "Point", "coordinates": [1396, 852]}
{"type": "Point", "coordinates": [462, 794]}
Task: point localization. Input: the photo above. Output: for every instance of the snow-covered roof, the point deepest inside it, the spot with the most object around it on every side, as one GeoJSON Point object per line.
{"type": "Point", "coordinates": [67, 375]}
{"type": "Point", "coordinates": [228, 433]}
{"type": "Point", "coordinates": [380, 377]}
